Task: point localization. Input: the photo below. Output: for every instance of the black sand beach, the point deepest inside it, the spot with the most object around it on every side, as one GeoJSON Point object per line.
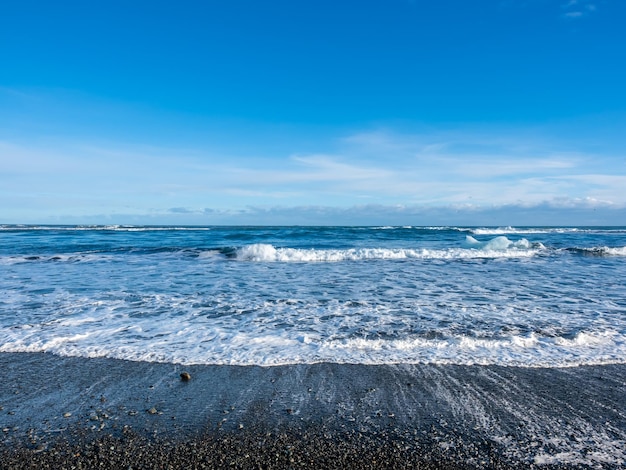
{"type": "Point", "coordinates": [58, 412]}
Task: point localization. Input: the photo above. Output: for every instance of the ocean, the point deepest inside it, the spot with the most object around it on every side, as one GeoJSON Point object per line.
{"type": "Point", "coordinates": [530, 297]}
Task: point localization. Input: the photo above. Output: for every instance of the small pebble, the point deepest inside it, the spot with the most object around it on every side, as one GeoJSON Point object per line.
{"type": "Point", "coordinates": [153, 411]}
{"type": "Point", "coordinates": [185, 376]}
{"type": "Point", "coordinates": [67, 415]}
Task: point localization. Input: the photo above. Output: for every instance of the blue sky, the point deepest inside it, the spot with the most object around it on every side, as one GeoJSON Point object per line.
{"type": "Point", "coordinates": [490, 112]}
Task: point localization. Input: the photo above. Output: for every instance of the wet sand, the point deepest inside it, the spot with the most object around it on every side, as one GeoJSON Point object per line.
{"type": "Point", "coordinates": [58, 412]}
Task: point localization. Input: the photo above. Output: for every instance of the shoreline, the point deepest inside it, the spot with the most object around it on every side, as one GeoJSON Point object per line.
{"type": "Point", "coordinates": [321, 415]}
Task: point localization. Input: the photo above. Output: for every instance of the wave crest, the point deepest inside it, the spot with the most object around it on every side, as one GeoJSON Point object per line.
{"type": "Point", "coordinates": [500, 247]}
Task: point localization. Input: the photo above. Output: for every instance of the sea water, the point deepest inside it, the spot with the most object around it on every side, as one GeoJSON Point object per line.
{"type": "Point", "coordinates": [535, 297]}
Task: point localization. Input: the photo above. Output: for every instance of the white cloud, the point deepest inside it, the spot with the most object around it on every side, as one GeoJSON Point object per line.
{"type": "Point", "coordinates": [578, 8]}
{"type": "Point", "coordinates": [331, 168]}
{"type": "Point", "coordinates": [505, 166]}
{"type": "Point", "coordinates": [482, 168]}
{"type": "Point", "coordinates": [424, 170]}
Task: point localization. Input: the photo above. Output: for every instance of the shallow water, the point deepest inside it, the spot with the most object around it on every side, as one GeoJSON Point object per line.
{"type": "Point", "coordinates": [284, 295]}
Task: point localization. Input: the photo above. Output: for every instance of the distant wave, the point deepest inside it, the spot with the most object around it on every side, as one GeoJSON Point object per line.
{"type": "Point", "coordinates": [112, 228]}
{"type": "Point", "coordinates": [540, 230]}
{"type": "Point", "coordinates": [472, 230]}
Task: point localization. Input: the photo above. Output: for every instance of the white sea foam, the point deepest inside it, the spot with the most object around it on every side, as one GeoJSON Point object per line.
{"type": "Point", "coordinates": [609, 452]}
{"type": "Point", "coordinates": [617, 251]}
{"type": "Point", "coordinates": [238, 341]}
{"type": "Point", "coordinates": [500, 247]}
{"type": "Point", "coordinates": [532, 350]}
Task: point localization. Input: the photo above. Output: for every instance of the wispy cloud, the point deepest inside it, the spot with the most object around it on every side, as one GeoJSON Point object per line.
{"type": "Point", "coordinates": [331, 168]}
{"type": "Point", "coordinates": [482, 168]}
{"type": "Point", "coordinates": [578, 8]}
{"type": "Point", "coordinates": [453, 170]}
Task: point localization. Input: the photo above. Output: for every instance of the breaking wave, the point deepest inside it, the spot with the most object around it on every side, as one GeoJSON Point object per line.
{"type": "Point", "coordinates": [500, 247]}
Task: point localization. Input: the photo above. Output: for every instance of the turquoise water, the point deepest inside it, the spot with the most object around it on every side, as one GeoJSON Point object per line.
{"type": "Point", "coordinates": [278, 295]}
